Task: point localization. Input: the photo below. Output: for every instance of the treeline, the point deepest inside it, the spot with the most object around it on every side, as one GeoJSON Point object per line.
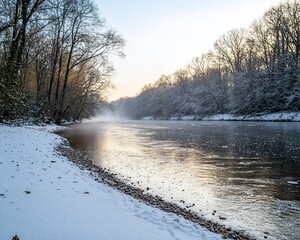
{"type": "Point", "coordinates": [54, 59]}
{"type": "Point", "coordinates": [249, 71]}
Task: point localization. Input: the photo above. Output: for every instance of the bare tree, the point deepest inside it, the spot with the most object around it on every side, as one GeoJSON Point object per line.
{"type": "Point", "coordinates": [55, 48]}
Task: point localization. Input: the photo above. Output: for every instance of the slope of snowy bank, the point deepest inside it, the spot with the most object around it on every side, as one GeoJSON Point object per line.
{"type": "Point", "coordinates": [279, 117]}
{"type": "Point", "coordinates": [44, 196]}
{"type": "Point", "coordinates": [291, 117]}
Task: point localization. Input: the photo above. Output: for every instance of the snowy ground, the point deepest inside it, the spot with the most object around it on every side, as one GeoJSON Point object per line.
{"type": "Point", "coordinates": [44, 196]}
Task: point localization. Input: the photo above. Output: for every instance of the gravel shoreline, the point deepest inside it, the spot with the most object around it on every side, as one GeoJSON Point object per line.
{"type": "Point", "coordinates": [83, 161]}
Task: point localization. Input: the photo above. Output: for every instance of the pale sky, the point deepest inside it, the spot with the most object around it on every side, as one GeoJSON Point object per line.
{"type": "Point", "coordinates": [163, 36]}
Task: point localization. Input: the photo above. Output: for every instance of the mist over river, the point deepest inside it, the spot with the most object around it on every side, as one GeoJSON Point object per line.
{"type": "Point", "coordinates": [234, 173]}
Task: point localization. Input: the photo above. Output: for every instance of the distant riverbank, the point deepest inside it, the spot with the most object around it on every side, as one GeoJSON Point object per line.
{"type": "Point", "coordinates": [271, 117]}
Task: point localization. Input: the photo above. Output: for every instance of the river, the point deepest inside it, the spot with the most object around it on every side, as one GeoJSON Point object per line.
{"type": "Point", "coordinates": [234, 173]}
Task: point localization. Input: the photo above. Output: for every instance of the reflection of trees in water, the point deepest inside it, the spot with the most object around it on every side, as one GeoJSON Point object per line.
{"type": "Point", "coordinates": [85, 138]}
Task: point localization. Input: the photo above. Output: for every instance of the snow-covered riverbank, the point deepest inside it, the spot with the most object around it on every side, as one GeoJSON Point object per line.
{"type": "Point", "coordinates": [44, 196]}
{"type": "Point", "coordinates": [278, 117]}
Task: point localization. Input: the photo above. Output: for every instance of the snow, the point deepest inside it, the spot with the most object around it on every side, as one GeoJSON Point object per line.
{"type": "Point", "coordinates": [292, 182]}
{"type": "Point", "coordinates": [148, 118]}
{"type": "Point", "coordinates": [188, 118]}
{"type": "Point", "coordinates": [184, 117]}
{"type": "Point", "coordinates": [281, 116]}
{"type": "Point", "coordinates": [44, 196]}
{"type": "Point", "coordinates": [292, 116]}
{"type": "Point", "coordinates": [223, 117]}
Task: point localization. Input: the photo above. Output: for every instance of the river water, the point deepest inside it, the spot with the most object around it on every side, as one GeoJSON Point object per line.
{"type": "Point", "coordinates": [234, 173]}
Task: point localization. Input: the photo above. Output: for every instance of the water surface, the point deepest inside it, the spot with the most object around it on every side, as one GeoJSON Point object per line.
{"type": "Point", "coordinates": [234, 173]}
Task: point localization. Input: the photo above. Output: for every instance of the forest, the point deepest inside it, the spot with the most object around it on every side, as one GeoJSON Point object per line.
{"type": "Point", "coordinates": [249, 71]}
{"type": "Point", "coordinates": [54, 59]}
